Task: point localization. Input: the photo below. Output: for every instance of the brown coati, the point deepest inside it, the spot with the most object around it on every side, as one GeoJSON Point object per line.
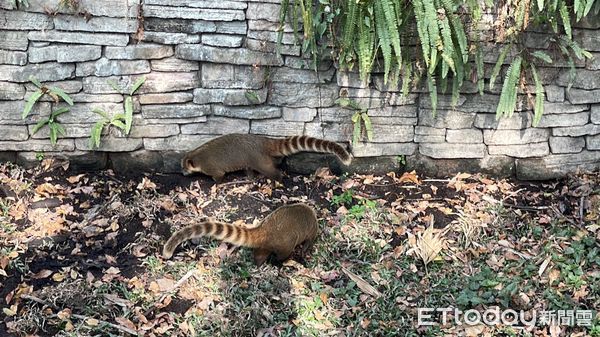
{"type": "Point", "coordinates": [279, 233]}
{"type": "Point", "coordinates": [235, 152]}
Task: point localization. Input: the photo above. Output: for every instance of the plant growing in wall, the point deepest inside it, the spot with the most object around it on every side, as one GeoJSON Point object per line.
{"type": "Point", "coordinates": [360, 120]}
{"type": "Point", "coordinates": [56, 94]}
{"type": "Point", "coordinates": [123, 121]}
{"type": "Point", "coordinates": [380, 35]}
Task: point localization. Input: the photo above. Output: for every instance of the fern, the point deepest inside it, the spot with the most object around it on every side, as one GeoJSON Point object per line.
{"type": "Point", "coordinates": [384, 39]}
{"type": "Point", "coordinates": [392, 25]}
{"type": "Point", "coordinates": [498, 65]}
{"type": "Point", "coordinates": [564, 14]}
{"type": "Point", "coordinates": [432, 93]}
{"type": "Point", "coordinates": [508, 96]}
{"type": "Point", "coordinates": [538, 109]}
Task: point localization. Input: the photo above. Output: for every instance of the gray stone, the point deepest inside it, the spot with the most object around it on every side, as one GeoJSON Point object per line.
{"type": "Point", "coordinates": [68, 86]}
{"type": "Point", "coordinates": [384, 133]}
{"type": "Point", "coordinates": [496, 166]}
{"type": "Point", "coordinates": [95, 24]}
{"type": "Point", "coordinates": [231, 27]}
{"type": "Point", "coordinates": [446, 119]}
{"type": "Point", "coordinates": [217, 126]}
{"type": "Point", "coordinates": [89, 98]}
{"type": "Point", "coordinates": [230, 96]}
{"type": "Point", "coordinates": [588, 39]}
{"type": "Point", "coordinates": [229, 76]}
{"type": "Point", "coordinates": [111, 144]}
{"type": "Point", "coordinates": [302, 76]}
{"type": "Point", "coordinates": [156, 82]}
{"type": "Point", "coordinates": [555, 93]}
{"type": "Point", "coordinates": [175, 110]}
{"type": "Point", "coordinates": [556, 166]}
{"type": "Point", "coordinates": [588, 22]}
{"type": "Point", "coordinates": [521, 151]}
{"type": "Point", "coordinates": [176, 143]}
{"type": "Point", "coordinates": [392, 120]}
{"type": "Point", "coordinates": [42, 54]}
{"type": "Point", "coordinates": [151, 131]}
{"type": "Point", "coordinates": [446, 150]}
{"type": "Point", "coordinates": [303, 95]}
{"type": "Point", "coordinates": [268, 26]}
{"type": "Point", "coordinates": [139, 51]}
{"type": "Point", "coordinates": [464, 136]}
{"type": "Point", "coordinates": [182, 121]}
{"type": "Point", "coordinates": [106, 67]}
{"type": "Point", "coordinates": [14, 40]}
{"type": "Point", "coordinates": [43, 72]}
{"type": "Point", "coordinates": [445, 102]}
{"type": "Point", "coordinates": [103, 39]}
{"type": "Point", "coordinates": [571, 119]}
{"type": "Point", "coordinates": [517, 121]}
{"type": "Point", "coordinates": [397, 111]}
{"type": "Point", "coordinates": [595, 114]}
{"type": "Point", "coordinates": [77, 53]}
{"type": "Point", "coordinates": [337, 132]}
{"type": "Point", "coordinates": [13, 132]}
{"type": "Point", "coordinates": [276, 127]}
{"type": "Point", "coordinates": [140, 161]}
{"type": "Point", "coordinates": [564, 108]}
{"type": "Point", "coordinates": [38, 145]}
{"type": "Point", "coordinates": [286, 38]}
{"type": "Point", "coordinates": [194, 13]}
{"type": "Point", "coordinates": [218, 4]}
{"type": "Point", "coordinates": [19, 20]}
{"type": "Point", "coordinates": [11, 91]}
{"type": "Point", "coordinates": [594, 62]}
{"type": "Point", "coordinates": [584, 79]}
{"type": "Point", "coordinates": [363, 149]}
{"type": "Point", "coordinates": [577, 131]}
{"type": "Point", "coordinates": [261, 112]}
{"type": "Point", "coordinates": [174, 97]}
{"type": "Point", "coordinates": [272, 47]}
{"type": "Point", "coordinates": [399, 99]}
{"type": "Point", "coordinates": [111, 8]}
{"type": "Point", "coordinates": [222, 40]}
{"type": "Point", "coordinates": [170, 38]}
{"type": "Point", "coordinates": [71, 131]}
{"type": "Point", "coordinates": [351, 79]}
{"type": "Point", "coordinates": [429, 139]}
{"type": "Point", "coordinates": [593, 142]}
{"type": "Point", "coordinates": [510, 137]}
{"type": "Point", "coordinates": [83, 112]}
{"type": "Point", "coordinates": [336, 114]}
{"type": "Point", "coordinates": [180, 26]}
{"type": "Point", "coordinates": [263, 11]}
{"type": "Point", "coordinates": [578, 96]}
{"type": "Point", "coordinates": [299, 114]}
{"type": "Point", "coordinates": [566, 144]}
{"type": "Point", "coordinates": [174, 64]}
{"type": "Point", "coordinates": [238, 56]}
{"type": "Point", "coordinates": [13, 57]}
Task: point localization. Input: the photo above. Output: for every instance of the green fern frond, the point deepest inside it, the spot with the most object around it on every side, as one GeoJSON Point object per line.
{"type": "Point", "coordinates": [564, 15]}
{"type": "Point", "coordinates": [432, 93]}
{"type": "Point", "coordinates": [498, 65]}
{"type": "Point", "coordinates": [508, 96]}
{"type": "Point", "coordinates": [384, 39]}
{"type": "Point", "coordinates": [392, 24]}
{"type": "Point", "coordinates": [538, 109]}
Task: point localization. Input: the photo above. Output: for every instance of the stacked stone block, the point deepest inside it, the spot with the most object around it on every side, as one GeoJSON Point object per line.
{"type": "Point", "coordinates": [214, 67]}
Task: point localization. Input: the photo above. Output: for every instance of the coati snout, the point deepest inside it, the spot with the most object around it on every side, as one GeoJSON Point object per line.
{"type": "Point", "coordinates": [235, 152]}
{"type": "Point", "coordinates": [279, 233]}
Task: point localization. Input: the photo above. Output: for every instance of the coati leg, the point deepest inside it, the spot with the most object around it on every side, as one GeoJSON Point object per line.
{"type": "Point", "coordinates": [268, 169]}
{"type": "Point", "coordinates": [283, 254]}
{"type": "Point", "coordinates": [260, 256]}
{"type": "Point", "coordinates": [250, 174]}
{"type": "Point", "coordinates": [307, 245]}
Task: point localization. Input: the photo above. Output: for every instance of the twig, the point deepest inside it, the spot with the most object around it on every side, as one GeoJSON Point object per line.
{"type": "Point", "coordinates": [170, 291]}
{"type": "Point", "coordinates": [526, 208]}
{"type": "Point", "coordinates": [38, 300]}
{"type": "Point", "coordinates": [235, 183]}
{"type": "Point", "coordinates": [581, 210]}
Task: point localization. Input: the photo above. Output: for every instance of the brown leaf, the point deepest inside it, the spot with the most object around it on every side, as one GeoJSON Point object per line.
{"type": "Point", "coordinates": [44, 273]}
{"type": "Point", "coordinates": [362, 284]}
{"type": "Point", "coordinates": [409, 177]}
{"type": "Point", "coordinates": [75, 179]}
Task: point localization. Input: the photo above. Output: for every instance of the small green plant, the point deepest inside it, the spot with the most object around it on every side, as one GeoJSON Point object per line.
{"type": "Point", "coordinates": [55, 127]}
{"type": "Point", "coordinates": [401, 159]}
{"type": "Point", "coordinates": [122, 121]}
{"type": "Point", "coordinates": [56, 93]}
{"type": "Point", "coordinates": [39, 156]}
{"type": "Point", "coordinates": [360, 120]}
{"type": "Point", "coordinates": [343, 199]}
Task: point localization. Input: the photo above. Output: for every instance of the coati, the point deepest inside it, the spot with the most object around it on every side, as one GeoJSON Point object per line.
{"type": "Point", "coordinates": [279, 233]}
{"type": "Point", "coordinates": [234, 152]}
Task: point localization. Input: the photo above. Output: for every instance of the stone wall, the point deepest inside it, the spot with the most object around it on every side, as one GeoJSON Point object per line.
{"type": "Point", "coordinates": [211, 69]}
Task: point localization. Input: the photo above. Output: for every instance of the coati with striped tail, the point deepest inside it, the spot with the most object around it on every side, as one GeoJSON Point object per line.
{"type": "Point", "coordinates": [279, 233]}
{"type": "Point", "coordinates": [235, 152]}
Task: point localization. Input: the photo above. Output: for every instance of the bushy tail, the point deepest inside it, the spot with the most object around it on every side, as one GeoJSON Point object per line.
{"type": "Point", "coordinates": [219, 230]}
{"type": "Point", "coordinates": [297, 144]}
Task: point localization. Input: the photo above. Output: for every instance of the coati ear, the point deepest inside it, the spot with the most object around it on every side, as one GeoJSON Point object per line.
{"type": "Point", "coordinates": [188, 164]}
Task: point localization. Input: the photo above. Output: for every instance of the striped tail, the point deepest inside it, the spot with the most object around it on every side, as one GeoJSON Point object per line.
{"type": "Point", "coordinates": [297, 144]}
{"type": "Point", "coordinates": [218, 230]}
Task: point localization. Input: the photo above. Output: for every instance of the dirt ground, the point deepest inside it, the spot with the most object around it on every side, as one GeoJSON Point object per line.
{"type": "Point", "coordinates": [80, 253]}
